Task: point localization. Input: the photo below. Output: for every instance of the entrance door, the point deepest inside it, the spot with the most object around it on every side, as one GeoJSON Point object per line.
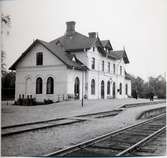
{"type": "Point", "coordinates": [102, 89]}
{"type": "Point", "coordinates": [113, 90]}
{"type": "Point", "coordinates": [76, 88]}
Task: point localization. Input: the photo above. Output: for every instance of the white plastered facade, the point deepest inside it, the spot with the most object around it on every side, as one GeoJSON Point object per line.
{"type": "Point", "coordinates": [64, 78]}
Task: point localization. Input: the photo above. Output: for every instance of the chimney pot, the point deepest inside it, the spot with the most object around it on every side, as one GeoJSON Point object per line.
{"type": "Point", "coordinates": [92, 34]}
{"type": "Point", "coordinates": [70, 27]}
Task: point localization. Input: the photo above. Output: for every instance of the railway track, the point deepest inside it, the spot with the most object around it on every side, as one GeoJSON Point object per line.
{"type": "Point", "coordinates": [118, 143]}
{"type": "Point", "coordinates": [32, 126]}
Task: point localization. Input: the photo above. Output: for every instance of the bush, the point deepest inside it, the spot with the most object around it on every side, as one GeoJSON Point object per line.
{"type": "Point", "coordinates": [48, 101]}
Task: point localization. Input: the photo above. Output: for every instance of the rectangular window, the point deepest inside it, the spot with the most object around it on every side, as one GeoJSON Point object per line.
{"type": "Point", "coordinates": [126, 89]}
{"type": "Point", "coordinates": [103, 65]}
{"type": "Point", "coordinates": [109, 67]}
{"type": "Point", "coordinates": [93, 63]}
{"type": "Point", "coordinates": [114, 68]}
{"type": "Point", "coordinates": [39, 58]}
{"type": "Point", "coordinates": [120, 70]}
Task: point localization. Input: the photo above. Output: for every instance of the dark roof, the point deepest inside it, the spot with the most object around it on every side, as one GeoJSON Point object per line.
{"type": "Point", "coordinates": [107, 44]}
{"type": "Point", "coordinates": [118, 54]}
{"type": "Point", "coordinates": [75, 42]}
{"type": "Point", "coordinates": [62, 46]}
{"type": "Point", "coordinates": [127, 76]}
{"type": "Point", "coordinates": [55, 50]}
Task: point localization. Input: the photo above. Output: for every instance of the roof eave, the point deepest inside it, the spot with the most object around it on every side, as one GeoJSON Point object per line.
{"type": "Point", "coordinates": [13, 67]}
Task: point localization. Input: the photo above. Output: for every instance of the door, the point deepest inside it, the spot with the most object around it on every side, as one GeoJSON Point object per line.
{"type": "Point", "coordinates": [102, 89]}
{"type": "Point", "coordinates": [76, 88]}
{"type": "Point", "coordinates": [113, 90]}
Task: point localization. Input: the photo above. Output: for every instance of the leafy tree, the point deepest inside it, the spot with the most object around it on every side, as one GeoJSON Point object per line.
{"type": "Point", "coordinates": [155, 85]}
{"type": "Point", "coordinates": [5, 22]}
{"type": "Point", "coordinates": [8, 85]}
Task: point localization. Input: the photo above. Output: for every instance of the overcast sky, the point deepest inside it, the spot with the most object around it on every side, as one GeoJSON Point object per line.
{"type": "Point", "coordinates": [139, 25]}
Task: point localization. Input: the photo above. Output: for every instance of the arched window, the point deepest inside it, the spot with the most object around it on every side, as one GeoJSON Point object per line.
{"type": "Point", "coordinates": [126, 89]}
{"type": "Point", "coordinates": [39, 58]}
{"type": "Point", "coordinates": [50, 86]}
{"type": "Point", "coordinates": [92, 86]}
{"type": "Point", "coordinates": [108, 87]}
{"type": "Point", "coordinates": [120, 88]}
{"type": "Point", "coordinates": [39, 85]}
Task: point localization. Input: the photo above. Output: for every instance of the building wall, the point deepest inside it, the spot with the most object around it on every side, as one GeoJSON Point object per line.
{"type": "Point", "coordinates": [98, 75]}
{"type": "Point", "coordinates": [71, 76]}
{"type": "Point", "coordinates": [64, 79]}
{"type": "Point", "coordinates": [128, 82]}
{"type": "Point", "coordinates": [27, 72]}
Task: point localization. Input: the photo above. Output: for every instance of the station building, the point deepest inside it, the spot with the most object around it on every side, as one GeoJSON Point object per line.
{"type": "Point", "coordinates": [72, 66]}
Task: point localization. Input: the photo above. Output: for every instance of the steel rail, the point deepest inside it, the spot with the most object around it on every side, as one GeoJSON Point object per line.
{"type": "Point", "coordinates": [141, 142]}
{"type": "Point", "coordinates": [76, 147]}
{"type": "Point", "coordinates": [57, 119]}
{"type": "Point", "coordinates": [26, 127]}
{"type": "Point", "coordinates": [38, 128]}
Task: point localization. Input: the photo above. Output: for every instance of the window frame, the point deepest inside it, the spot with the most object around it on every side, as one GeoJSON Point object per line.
{"type": "Point", "coordinates": [39, 58]}
{"type": "Point", "coordinates": [109, 67]}
{"type": "Point", "coordinates": [108, 88]}
{"type": "Point", "coordinates": [50, 85]}
{"type": "Point", "coordinates": [93, 85]}
{"type": "Point", "coordinates": [103, 65]}
{"type": "Point", "coordinates": [120, 70]}
{"type": "Point", "coordinates": [114, 68]}
{"type": "Point", "coordinates": [126, 89]}
{"type": "Point", "coordinates": [39, 85]}
{"type": "Point", "coordinates": [120, 88]}
{"type": "Point", "coordinates": [93, 63]}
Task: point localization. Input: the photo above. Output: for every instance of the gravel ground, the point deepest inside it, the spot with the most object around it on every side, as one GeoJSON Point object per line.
{"type": "Point", "coordinates": [43, 141]}
{"type": "Point", "coordinates": [12, 114]}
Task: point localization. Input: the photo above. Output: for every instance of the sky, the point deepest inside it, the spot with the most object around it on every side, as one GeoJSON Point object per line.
{"type": "Point", "coordinates": [138, 25]}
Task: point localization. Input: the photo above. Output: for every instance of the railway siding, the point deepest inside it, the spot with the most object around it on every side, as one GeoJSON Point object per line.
{"type": "Point", "coordinates": [117, 143]}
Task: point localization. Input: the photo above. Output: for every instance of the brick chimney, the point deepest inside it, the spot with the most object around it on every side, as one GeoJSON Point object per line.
{"type": "Point", "coordinates": [92, 35]}
{"type": "Point", "coordinates": [70, 30]}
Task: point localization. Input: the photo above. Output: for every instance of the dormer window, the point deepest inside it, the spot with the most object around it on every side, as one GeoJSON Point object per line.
{"type": "Point", "coordinates": [73, 59]}
{"type": "Point", "coordinates": [39, 58]}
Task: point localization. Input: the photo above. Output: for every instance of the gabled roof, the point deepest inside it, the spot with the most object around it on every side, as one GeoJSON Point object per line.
{"type": "Point", "coordinates": [55, 50]}
{"type": "Point", "coordinates": [127, 76]}
{"type": "Point", "coordinates": [118, 54]}
{"type": "Point", "coordinates": [107, 44]}
{"type": "Point", "coordinates": [73, 41]}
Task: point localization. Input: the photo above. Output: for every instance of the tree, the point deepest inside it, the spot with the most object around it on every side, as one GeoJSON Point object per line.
{"type": "Point", "coordinates": [155, 85]}
{"type": "Point", "coordinates": [5, 23]}
{"type": "Point", "coordinates": [8, 85]}
{"type": "Point", "coordinates": [158, 86]}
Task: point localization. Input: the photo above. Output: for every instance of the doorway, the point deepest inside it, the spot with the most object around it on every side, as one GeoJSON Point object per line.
{"type": "Point", "coordinates": [102, 89]}
{"type": "Point", "coordinates": [113, 90]}
{"type": "Point", "coordinates": [76, 88]}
